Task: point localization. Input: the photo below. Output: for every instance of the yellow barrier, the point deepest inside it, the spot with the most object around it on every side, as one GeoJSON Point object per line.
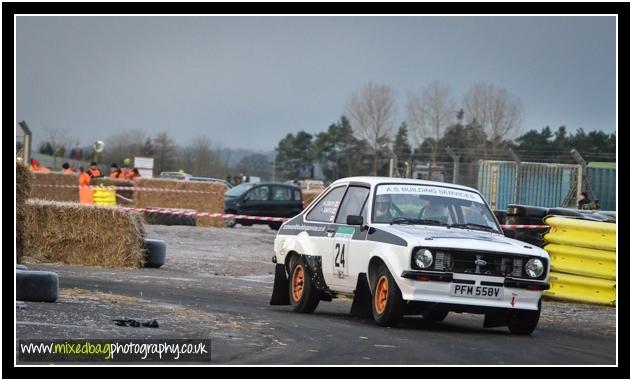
{"type": "Point", "coordinates": [582, 261]}
{"type": "Point", "coordinates": [581, 289]}
{"type": "Point", "coordinates": [104, 196]}
{"type": "Point", "coordinates": [583, 233]}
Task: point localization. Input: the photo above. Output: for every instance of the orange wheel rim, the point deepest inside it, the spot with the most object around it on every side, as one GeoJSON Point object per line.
{"type": "Point", "coordinates": [381, 294]}
{"type": "Point", "coordinates": [298, 279]}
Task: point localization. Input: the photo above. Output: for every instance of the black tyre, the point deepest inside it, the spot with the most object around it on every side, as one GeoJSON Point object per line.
{"type": "Point", "coordinates": [521, 220]}
{"type": "Point", "coordinates": [230, 222]}
{"type": "Point", "coordinates": [150, 218]}
{"type": "Point", "coordinates": [275, 225]}
{"type": "Point", "coordinates": [435, 315]}
{"type": "Point", "coordinates": [158, 218]}
{"type": "Point", "coordinates": [510, 233]}
{"type": "Point", "coordinates": [36, 286]}
{"type": "Point", "coordinates": [523, 322]}
{"type": "Point", "coordinates": [156, 253]}
{"type": "Point", "coordinates": [608, 213]}
{"type": "Point", "coordinates": [501, 216]}
{"type": "Point", "coordinates": [190, 220]}
{"type": "Point", "coordinates": [386, 302]}
{"type": "Point", "coordinates": [303, 295]}
{"type": "Point", "coordinates": [526, 211]}
{"type": "Point", "coordinates": [564, 212]}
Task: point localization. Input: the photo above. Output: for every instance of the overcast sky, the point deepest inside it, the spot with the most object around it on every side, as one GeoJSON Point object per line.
{"type": "Point", "coordinates": [245, 82]}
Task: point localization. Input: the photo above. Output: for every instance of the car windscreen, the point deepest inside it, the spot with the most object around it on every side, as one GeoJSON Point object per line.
{"type": "Point", "coordinates": [238, 190]}
{"type": "Point", "coordinates": [431, 205]}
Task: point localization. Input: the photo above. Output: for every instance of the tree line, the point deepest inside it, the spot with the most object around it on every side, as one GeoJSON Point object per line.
{"type": "Point", "coordinates": [485, 125]}
{"type": "Point", "coordinates": [200, 157]}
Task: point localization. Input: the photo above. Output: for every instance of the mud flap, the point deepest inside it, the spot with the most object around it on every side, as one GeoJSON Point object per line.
{"type": "Point", "coordinates": [281, 288]}
{"type": "Point", "coordinates": [498, 319]}
{"type": "Point", "coordinates": [361, 306]}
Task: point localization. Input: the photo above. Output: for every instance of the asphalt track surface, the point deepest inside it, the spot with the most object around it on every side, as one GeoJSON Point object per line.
{"type": "Point", "coordinates": [217, 282]}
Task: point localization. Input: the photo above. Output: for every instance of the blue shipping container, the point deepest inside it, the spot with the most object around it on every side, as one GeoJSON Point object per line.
{"type": "Point", "coordinates": [538, 184]}
{"type": "Point", "coordinates": [497, 182]}
{"type": "Point", "coordinates": [548, 185]}
{"type": "Point", "coordinates": [602, 180]}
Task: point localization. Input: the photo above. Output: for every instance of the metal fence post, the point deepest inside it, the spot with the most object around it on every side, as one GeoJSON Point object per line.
{"type": "Point", "coordinates": [455, 158]}
{"type": "Point", "coordinates": [27, 143]}
{"type": "Point", "coordinates": [579, 159]}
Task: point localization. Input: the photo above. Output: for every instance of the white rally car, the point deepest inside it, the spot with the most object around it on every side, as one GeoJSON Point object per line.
{"type": "Point", "coordinates": [408, 247]}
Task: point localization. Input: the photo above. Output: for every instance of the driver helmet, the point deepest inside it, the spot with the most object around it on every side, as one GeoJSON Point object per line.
{"type": "Point", "coordinates": [436, 210]}
{"type": "Point", "coordinates": [383, 203]}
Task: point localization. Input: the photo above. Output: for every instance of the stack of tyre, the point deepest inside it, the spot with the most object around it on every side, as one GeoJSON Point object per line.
{"type": "Point", "coordinates": [526, 215]}
{"type": "Point", "coordinates": [170, 217]}
{"type": "Point", "coordinates": [534, 215]}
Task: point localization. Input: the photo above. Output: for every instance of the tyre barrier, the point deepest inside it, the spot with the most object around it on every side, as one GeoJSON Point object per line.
{"type": "Point", "coordinates": [581, 233]}
{"type": "Point", "coordinates": [36, 286]}
{"type": "Point", "coordinates": [156, 253]}
{"type": "Point", "coordinates": [501, 216]}
{"type": "Point", "coordinates": [583, 260]}
{"type": "Point", "coordinates": [577, 288]}
{"type": "Point", "coordinates": [565, 212]}
{"type": "Point", "coordinates": [177, 218]}
{"type": "Point", "coordinates": [526, 211]}
{"type": "Point", "coordinates": [532, 236]}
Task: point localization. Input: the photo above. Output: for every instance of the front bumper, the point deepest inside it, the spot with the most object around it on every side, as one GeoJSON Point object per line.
{"type": "Point", "coordinates": [436, 286]}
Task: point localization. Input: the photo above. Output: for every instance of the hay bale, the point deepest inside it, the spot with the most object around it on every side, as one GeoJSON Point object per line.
{"type": "Point", "coordinates": [22, 192]}
{"type": "Point", "coordinates": [42, 187]}
{"type": "Point", "coordinates": [83, 235]}
{"type": "Point", "coordinates": [212, 200]}
{"type": "Point", "coordinates": [310, 195]}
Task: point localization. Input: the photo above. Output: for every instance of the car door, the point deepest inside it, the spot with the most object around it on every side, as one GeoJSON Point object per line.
{"type": "Point", "coordinates": [323, 214]}
{"type": "Point", "coordinates": [282, 204]}
{"type": "Point", "coordinates": [346, 256]}
{"type": "Point", "coordinates": [256, 201]}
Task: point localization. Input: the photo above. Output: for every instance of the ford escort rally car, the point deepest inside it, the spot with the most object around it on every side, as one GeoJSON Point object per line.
{"type": "Point", "coordinates": [408, 247]}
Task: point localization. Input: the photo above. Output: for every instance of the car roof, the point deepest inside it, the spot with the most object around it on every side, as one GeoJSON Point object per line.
{"type": "Point", "coordinates": [276, 183]}
{"type": "Point", "coordinates": [207, 178]}
{"type": "Point", "coordinates": [376, 180]}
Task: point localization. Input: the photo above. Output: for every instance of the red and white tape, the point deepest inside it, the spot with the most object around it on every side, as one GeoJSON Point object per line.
{"type": "Point", "coordinates": [112, 187]}
{"type": "Point", "coordinates": [204, 214]}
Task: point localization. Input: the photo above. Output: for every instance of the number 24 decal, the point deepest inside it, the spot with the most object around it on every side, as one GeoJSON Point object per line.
{"type": "Point", "coordinates": [340, 255]}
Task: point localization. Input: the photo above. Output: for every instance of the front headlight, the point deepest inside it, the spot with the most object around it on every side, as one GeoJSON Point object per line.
{"type": "Point", "coordinates": [422, 258]}
{"type": "Point", "coordinates": [534, 267]}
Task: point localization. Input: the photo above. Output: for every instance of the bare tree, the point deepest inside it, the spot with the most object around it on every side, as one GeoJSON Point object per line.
{"type": "Point", "coordinates": [372, 111]}
{"type": "Point", "coordinates": [58, 139]}
{"type": "Point", "coordinates": [202, 158]}
{"type": "Point", "coordinates": [497, 110]}
{"type": "Point", "coordinates": [124, 145]}
{"type": "Point", "coordinates": [430, 113]}
{"type": "Point", "coordinates": [166, 152]}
